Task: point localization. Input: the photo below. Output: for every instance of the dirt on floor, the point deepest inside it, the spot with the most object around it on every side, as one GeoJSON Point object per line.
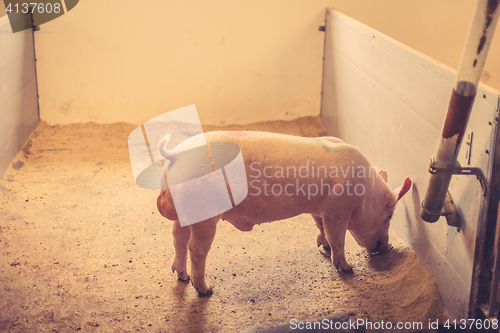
{"type": "Point", "coordinates": [83, 248]}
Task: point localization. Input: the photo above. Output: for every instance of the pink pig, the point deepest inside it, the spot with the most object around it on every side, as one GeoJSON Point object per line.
{"type": "Point", "coordinates": [287, 176]}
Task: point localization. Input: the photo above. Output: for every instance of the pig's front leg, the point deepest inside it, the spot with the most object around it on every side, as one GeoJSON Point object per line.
{"type": "Point", "coordinates": [202, 236]}
{"type": "Point", "coordinates": [181, 240]}
{"type": "Point", "coordinates": [335, 226]}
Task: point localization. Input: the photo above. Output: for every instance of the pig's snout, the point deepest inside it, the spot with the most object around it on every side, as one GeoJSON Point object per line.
{"type": "Point", "coordinates": [381, 247]}
{"type": "Point", "coordinates": [386, 248]}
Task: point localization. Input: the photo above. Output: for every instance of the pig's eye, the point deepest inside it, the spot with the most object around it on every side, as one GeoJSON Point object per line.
{"type": "Point", "coordinates": [390, 216]}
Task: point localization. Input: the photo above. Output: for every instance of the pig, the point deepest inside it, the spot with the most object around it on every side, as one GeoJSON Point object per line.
{"type": "Point", "coordinates": [354, 196]}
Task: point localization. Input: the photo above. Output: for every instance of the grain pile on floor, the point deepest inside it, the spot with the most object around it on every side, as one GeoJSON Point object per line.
{"type": "Point", "coordinates": [82, 248]}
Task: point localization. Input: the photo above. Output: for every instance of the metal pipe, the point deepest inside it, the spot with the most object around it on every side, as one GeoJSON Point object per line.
{"type": "Point", "coordinates": [471, 66]}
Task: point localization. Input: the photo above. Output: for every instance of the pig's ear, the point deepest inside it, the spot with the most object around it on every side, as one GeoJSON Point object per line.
{"type": "Point", "coordinates": [383, 175]}
{"type": "Point", "coordinates": [400, 191]}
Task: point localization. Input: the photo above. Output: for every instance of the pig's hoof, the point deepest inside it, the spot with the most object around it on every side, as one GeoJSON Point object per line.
{"type": "Point", "coordinates": [203, 291]}
{"type": "Point", "coordinates": [344, 267]}
{"type": "Point", "coordinates": [181, 276]}
{"type": "Point", "coordinates": [347, 269]}
{"type": "Point", "coordinates": [207, 293]}
{"type": "Point", "coordinates": [185, 278]}
{"type": "Point", "coordinates": [327, 252]}
{"type": "Point", "coordinates": [321, 240]}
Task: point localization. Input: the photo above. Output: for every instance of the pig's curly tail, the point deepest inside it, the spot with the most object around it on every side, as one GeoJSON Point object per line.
{"type": "Point", "coordinates": [162, 147]}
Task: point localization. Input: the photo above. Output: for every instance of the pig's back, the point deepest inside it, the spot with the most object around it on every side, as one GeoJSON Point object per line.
{"type": "Point", "coordinates": [282, 168]}
{"type": "Point", "coordinates": [273, 149]}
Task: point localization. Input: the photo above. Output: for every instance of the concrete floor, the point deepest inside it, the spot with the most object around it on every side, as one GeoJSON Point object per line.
{"type": "Point", "coordinates": [82, 248]}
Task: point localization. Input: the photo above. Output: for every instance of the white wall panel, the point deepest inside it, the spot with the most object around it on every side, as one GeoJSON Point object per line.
{"type": "Point", "coordinates": [18, 91]}
{"type": "Point", "coordinates": [390, 101]}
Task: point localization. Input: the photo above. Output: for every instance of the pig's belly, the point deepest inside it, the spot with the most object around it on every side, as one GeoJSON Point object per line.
{"type": "Point", "coordinates": [248, 213]}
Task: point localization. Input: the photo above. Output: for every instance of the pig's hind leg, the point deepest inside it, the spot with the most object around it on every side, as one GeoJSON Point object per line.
{"type": "Point", "coordinates": [335, 226]}
{"type": "Point", "coordinates": [181, 240]}
{"type": "Point", "coordinates": [202, 236]}
{"type": "Point", "coordinates": [321, 240]}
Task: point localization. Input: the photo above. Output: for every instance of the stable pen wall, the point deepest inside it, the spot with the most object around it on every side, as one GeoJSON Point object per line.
{"type": "Point", "coordinates": [390, 101]}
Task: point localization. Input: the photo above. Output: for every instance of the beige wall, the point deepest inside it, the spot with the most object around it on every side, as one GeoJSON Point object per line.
{"type": "Point", "coordinates": [238, 61]}
{"type": "Point", "coordinates": [2, 9]}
